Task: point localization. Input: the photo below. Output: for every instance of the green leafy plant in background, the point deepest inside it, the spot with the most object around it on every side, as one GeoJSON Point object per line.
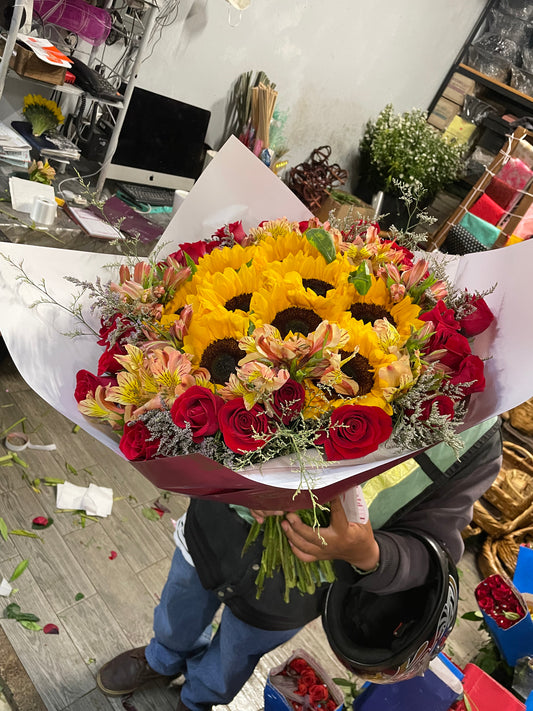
{"type": "Point", "coordinates": [406, 148]}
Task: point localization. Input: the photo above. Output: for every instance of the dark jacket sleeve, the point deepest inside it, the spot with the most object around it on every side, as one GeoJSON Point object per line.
{"type": "Point", "coordinates": [403, 559]}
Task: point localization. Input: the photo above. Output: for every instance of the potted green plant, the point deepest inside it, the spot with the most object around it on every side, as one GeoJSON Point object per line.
{"type": "Point", "coordinates": [404, 149]}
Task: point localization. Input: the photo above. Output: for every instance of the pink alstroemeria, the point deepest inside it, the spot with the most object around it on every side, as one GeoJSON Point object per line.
{"type": "Point", "coordinates": [411, 277]}
{"type": "Point", "coordinates": [439, 289]}
{"type": "Point", "coordinates": [262, 381]}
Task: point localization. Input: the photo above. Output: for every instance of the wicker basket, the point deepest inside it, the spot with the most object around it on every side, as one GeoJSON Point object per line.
{"type": "Point", "coordinates": [498, 555]}
{"type": "Point", "coordinates": [521, 417]}
{"type": "Point", "coordinates": [512, 491]}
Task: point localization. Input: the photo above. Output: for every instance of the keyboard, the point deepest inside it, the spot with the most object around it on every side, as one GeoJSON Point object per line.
{"type": "Point", "coordinates": [147, 194]}
{"type": "Point", "coordinates": [89, 80]}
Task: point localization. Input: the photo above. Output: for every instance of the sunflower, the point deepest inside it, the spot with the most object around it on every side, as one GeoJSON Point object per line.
{"type": "Point", "coordinates": [219, 259]}
{"type": "Point", "coordinates": [43, 114]}
{"type": "Point", "coordinates": [291, 308]}
{"type": "Point", "coordinates": [279, 239]}
{"type": "Point", "coordinates": [364, 367]}
{"type": "Point", "coordinates": [377, 304]}
{"type": "Point", "coordinates": [231, 289]}
{"type": "Point", "coordinates": [213, 340]}
{"type": "Point", "coordinates": [313, 271]}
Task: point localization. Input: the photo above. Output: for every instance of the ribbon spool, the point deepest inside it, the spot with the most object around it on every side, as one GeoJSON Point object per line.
{"type": "Point", "coordinates": [18, 442]}
{"type": "Point", "coordinates": [43, 211]}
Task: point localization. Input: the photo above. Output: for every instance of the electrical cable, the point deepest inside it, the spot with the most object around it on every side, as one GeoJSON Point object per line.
{"type": "Point", "coordinates": [76, 177]}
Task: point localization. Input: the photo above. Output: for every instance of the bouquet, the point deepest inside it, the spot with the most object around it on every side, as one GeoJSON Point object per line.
{"type": "Point", "coordinates": [498, 599]}
{"type": "Point", "coordinates": [291, 338]}
{"type": "Point", "coordinates": [303, 685]}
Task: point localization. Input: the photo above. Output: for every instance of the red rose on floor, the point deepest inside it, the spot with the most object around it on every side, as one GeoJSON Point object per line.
{"type": "Point", "coordinates": [354, 431]}
{"type": "Point", "coordinates": [135, 444]}
{"type": "Point", "coordinates": [478, 321]}
{"type": "Point", "coordinates": [87, 382]}
{"type": "Point", "coordinates": [243, 430]}
{"type": "Point", "coordinates": [444, 404]}
{"type": "Point", "coordinates": [288, 401]}
{"type": "Point", "coordinates": [50, 628]}
{"type": "Point", "coordinates": [470, 371]}
{"type": "Point", "coordinates": [199, 407]}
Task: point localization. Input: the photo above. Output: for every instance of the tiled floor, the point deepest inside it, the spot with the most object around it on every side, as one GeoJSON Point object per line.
{"type": "Point", "coordinates": [114, 611]}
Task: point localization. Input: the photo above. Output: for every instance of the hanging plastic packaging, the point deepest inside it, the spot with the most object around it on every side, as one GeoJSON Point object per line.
{"type": "Point", "coordinates": [91, 23]}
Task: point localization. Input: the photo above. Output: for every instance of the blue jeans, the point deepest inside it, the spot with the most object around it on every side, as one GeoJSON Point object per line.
{"type": "Point", "coordinates": [215, 668]}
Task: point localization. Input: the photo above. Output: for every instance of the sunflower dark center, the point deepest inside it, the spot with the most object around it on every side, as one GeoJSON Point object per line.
{"type": "Point", "coordinates": [297, 320]}
{"type": "Point", "coordinates": [241, 301]}
{"type": "Point", "coordinates": [369, 313]}
{"type": "Point", "coordinates": [320, 287]}
{"type": "Point", "coordinates": [358, 368]}
{"type": "Point", "coordinates": [221, 359]}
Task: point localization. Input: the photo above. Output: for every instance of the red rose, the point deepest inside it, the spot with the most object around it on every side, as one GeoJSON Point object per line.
{"type": "Point", "coordinates": [234, 230]}
{"type": "Point", "coordinates": [107, 362]}
{"type": "Point", "coordinates": [440, 314]}
{"type": "Point", "coordinates": [298, 664]}
{"type": "Point", "coordinates": [87, 383]}
{"type": "Point", "coordinates": [456, 346]}
{"type": "Point", "coordinates": [354, 431]}
{"type": "Point", "coordinates": [198, 407]}
{"type": "Point", "coordinates": [107, 327]}
{"type": "Point", "coordinates": [318, 692]}
{"type": "Point", "coordinates": [478, 321]}
{"type": "Point", "coordinates": [444, 404]}
{"type": "Point", "coordinates": [331, 705]}
{"type": "Point", "coordinates": [302, 688]}
{"type": "Point", "coordinates": [135, 443]}
{"type": "Point", "coordinates": [470, 371]}
{"type": "Point", "coordinates": [194, 250]}
{"type": "Point", "coordinates": [242, 429]}
{"type": "Point", "coordinates": [288, 401]}
{"type": "Point", "coordinates": [308, 677]}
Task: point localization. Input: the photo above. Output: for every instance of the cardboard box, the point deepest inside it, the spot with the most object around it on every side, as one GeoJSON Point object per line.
{"type": "Point", "coordinates": [443, 113]}
{"type": "Point", "coordinates": [26, 64]}
{"type": "Point", "coordinates": [458, 87]}
{"type": "Point", "coordinates": [350, 205]}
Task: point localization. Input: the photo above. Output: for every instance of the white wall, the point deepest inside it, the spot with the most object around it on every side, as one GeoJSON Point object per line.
{"type": "Point", "coordinates": [336, 63]}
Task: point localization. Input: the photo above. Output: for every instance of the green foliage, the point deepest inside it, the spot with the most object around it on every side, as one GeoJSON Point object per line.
{"type": "Point", "coordinates": [406, 147]}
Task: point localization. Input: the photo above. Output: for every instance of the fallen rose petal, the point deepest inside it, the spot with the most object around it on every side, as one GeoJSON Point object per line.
{"type": "Point", "coordinates": [51, 629]}
{"type": "Point", "coordinates": [113, 555]}
{"type": "Point", "coordinates": [41, 522]}
{"type": "Point", "coordinates": [158, 511]}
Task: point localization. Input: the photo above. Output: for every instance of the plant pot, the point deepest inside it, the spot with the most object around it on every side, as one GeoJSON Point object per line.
{"type": "Point", "coordinates": [394, 213]}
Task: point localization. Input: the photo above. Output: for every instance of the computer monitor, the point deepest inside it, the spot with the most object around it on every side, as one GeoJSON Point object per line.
{"type": "Point", "coordinates": [161, 142]}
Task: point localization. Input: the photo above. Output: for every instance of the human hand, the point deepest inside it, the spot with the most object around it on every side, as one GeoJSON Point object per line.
{"type": "Point", "coordinates": [341, 540]}
{"type": "Point", "coordinates": [260, 514]}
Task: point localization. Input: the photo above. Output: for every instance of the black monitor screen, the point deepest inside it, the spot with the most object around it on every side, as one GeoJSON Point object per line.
{"type": "Point", "coordinates": [162, 135]}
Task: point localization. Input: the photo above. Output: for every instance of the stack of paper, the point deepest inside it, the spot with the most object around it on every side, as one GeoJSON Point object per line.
{"type": "Point", "coordinates": [14, 150]}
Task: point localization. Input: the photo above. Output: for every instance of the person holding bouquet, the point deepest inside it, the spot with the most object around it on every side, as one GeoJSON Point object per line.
{"type": "Point", "coordinates": [209, 569]}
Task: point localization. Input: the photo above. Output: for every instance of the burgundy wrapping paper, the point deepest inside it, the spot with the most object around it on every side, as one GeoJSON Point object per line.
{"type": "Point", "coordinates": [486, 209]}
{"type": "Point", "coordinates": [503, 194]}
{"type": "Point", "coordinates": [197, 476]}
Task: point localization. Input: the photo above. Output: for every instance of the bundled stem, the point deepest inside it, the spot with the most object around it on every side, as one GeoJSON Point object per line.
{"type": "Point", "coordinates": [278, 555]}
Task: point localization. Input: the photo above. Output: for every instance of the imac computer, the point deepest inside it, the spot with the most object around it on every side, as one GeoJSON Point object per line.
{"type": "Point", "coordinates": [161, 142]}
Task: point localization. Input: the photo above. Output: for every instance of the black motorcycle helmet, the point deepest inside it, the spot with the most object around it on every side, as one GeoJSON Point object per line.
{"type": "Point", "coordinates": [390, 638]}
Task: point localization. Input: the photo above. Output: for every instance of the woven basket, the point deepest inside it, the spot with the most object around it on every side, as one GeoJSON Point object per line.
{"type": "Point", "coordinates": [490, 519]}
{"type": "Point", "coordinates": [512, 491]}
{"type": "Point", "coordinates": [498, 555]}
{"type": "Point", "coordinates": [521, 417]}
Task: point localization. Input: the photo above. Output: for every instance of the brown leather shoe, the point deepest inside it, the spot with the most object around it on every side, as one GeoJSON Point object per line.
{"type": "Point", "coordinates": [125, 673]}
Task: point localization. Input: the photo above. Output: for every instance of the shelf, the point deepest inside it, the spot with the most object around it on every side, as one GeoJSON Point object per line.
{"type": "Point", "coordinates": [497, 86]}
{"type": "Point", "coordinates": [65, 88]}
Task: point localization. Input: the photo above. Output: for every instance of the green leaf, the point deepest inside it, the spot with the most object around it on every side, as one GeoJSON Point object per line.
{"type": "Point", "coordinates": [3, 529]}
{"type": "Point", "coordinates": [75, 429]}
{"type": "Point", "coordinates": [18, 460]}
{"type": "Point", "coordinates": [190, 263]}
{"type": "Point", "coordinates": [51, 481]}
{"type": "Point", "coordinates": [361, 279]}
{"type": "Point", "coordinates": [27, 617]}
{"type": "Point", "coordinates": [511, 615]}
{"type": "Point", "coordinates": [30, 625]}
{"type": "Point", "coordinates": [12, 611]}
{"type": "Point", "coordinates": [323, 241]}
{"type": "Point", "coordinates": [71, 469]}
{"type": "Point", "coordinates": [79, 596]}
{"type": "Point", "coordinates": [150, 514]}
{"type": "Point", "coordinates": [473, 616]}
{"type": "Point", "coordinates": [467, 703]}
{"type": "Point", "coordinates": [21, 567]}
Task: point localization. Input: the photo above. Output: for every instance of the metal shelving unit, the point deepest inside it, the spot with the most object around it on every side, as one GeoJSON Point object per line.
{"type": "Point", "coordinates": [138, 52]}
